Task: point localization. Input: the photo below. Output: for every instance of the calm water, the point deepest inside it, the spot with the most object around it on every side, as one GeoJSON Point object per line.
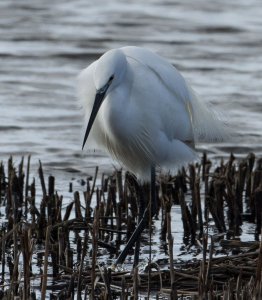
{"type": "Point", "coordinates": [44, 45]}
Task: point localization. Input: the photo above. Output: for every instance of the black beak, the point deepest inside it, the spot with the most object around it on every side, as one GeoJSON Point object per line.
{"type": "Point", "coordinates": [98, 101]}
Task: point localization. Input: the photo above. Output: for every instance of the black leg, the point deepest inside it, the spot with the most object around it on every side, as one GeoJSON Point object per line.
{"type": "Point", "coordinates": [153, 191]}
{"type": "Point", "coordinates": [141, 204]}
{"type": "Point", "coordinates": [136, 234]}
{"type": "Point", "coordinates": [143, 222]}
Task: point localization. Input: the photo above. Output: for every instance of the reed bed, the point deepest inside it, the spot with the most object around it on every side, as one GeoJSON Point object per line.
{"type": "Point", "coordinates": [52, 249]}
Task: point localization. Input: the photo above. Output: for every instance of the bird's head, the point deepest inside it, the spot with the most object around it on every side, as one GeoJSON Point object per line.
{"type": "Point", "coordinates": [108, 73]}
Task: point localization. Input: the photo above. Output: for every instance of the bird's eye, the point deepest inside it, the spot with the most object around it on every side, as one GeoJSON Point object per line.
{"type": "Point", "coordinates": [106, 86]}
{"type": "Point", "coordinates": [103, 89]}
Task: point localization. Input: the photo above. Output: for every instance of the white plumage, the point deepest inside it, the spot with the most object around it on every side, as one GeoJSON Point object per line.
{"type": "Point", "coordinates": [147, 114]}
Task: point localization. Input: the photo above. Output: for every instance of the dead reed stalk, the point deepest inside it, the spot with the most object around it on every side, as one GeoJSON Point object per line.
{"type": "Point", "coordinates": [46, 237]}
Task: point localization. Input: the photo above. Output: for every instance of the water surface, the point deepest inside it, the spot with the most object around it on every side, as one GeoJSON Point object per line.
{"type": "Point", "coordinates": [44, 45]}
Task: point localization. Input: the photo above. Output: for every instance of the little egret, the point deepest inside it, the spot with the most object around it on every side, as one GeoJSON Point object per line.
{"type": "Point", "coordinates": [141, 111]}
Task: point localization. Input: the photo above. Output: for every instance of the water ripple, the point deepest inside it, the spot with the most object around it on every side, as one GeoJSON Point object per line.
{"type": "Point", "coordinates": [44, 45]}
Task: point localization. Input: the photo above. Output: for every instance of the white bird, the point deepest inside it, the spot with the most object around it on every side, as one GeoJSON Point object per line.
{"type": "Point", "coordinates": [143, 113]}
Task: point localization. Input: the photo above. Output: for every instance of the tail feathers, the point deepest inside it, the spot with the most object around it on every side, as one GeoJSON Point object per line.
{"type": "Point", "coordinates": [208, 124]}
